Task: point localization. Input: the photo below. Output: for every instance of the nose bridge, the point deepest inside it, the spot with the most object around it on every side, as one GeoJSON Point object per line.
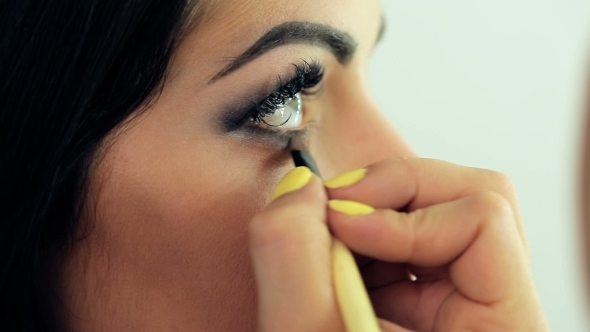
{"type": "Point", "coordinates": [355, 134]}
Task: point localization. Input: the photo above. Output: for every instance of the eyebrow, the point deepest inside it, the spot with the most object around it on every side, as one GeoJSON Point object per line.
{"type": "Point", "coordinates": [339, 43]}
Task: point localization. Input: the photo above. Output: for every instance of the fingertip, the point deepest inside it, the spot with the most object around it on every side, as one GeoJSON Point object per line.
{"type": "Point", "coordinates": [346, 179]}
{"type": "Point", "coordinates": [351, 208]}
{"type": "Point", "coordinates": [299, 182]}
{"type": "Point", "coordinates": [294, 180]}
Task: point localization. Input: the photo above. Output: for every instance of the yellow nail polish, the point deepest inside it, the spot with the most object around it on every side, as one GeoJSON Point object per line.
{"type": "Point", "coordinates": [296, 179]}
{"type": "Point", "coordinates": [351, 208]}
{"type": "Point", "coordinates": [346, 179]}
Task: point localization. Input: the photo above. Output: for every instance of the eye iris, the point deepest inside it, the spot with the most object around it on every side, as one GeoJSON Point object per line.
{"type": "Point", "coordinates": [287, 116]}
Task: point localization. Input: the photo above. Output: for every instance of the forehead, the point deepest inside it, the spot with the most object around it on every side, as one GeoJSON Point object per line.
{"type": "Point", "coordinates": [229, 27]}
{"type": "Point", "coordinates": [258, 13]}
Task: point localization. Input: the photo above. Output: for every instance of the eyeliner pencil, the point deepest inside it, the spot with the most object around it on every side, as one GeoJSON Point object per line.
{"type": "Point", "coordinates": [351, 294]}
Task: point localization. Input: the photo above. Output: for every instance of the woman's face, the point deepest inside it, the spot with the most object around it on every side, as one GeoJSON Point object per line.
{"type": "Point", "coordinates": [173, 194]}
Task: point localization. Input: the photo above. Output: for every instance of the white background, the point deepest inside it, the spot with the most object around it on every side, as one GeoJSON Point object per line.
{"type": "Point", "coordinates": [499, 84]}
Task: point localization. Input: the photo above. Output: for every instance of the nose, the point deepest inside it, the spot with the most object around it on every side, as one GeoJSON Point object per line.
{"type": "Point", "coordinates": [354, 133]}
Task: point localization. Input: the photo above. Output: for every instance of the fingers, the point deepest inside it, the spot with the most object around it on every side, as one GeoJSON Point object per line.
{"type": "Point", "coordinates": [459, 231]}
{"type": "Point", "coordinates": [290, 248]}
{"type": "Point", "coordinates": [390, 327]}
{"type": "Point", "coordinates": [413, 183]}
{"type": "Point", "coordinates": [413, 305]}
{"type": "Point", "coordinates": [475, 235]}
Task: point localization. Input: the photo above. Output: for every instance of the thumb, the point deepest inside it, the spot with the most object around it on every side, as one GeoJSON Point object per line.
{"type": "Point", "coordinates": [290, 248]}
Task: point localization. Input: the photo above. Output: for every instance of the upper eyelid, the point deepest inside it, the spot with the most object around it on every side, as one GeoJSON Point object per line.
{"type": "Point", "coordinates": [309, 65]}
{"type": "Point", "coordinates": [338, 42]}
{"type": "Point", "coordinates": [239, 116]}
{"type": "Point", "coordinates": [312, 67]}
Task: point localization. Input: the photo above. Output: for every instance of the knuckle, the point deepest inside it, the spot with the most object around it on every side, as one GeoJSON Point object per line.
{"type": "Point", "coordinates": [491, 205]}
{"type": "Point", "coordinates": [500, 180]}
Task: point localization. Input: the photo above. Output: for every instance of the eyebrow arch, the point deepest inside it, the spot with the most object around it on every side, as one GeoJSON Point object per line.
{"type": "Point", "coordinates": [339, 43]}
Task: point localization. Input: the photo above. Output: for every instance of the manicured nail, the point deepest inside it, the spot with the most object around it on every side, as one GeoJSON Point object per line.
{"type": "Point", "coordinates": [346, 179]}
{"type": "Point", "coordinates": [296, 179]}
{"type": "Point", "coordinates": [351, 208]}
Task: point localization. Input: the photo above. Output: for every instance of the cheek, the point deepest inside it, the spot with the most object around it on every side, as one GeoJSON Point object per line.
{"type": "Point", "coordinates": [175, 206]}
{"type": "Point", "coordinates": [175, 221]}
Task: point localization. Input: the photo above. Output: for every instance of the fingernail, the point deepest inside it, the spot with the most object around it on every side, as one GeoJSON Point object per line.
{"type": "Point", "coordinates": [346, 179]}
{"type": "Point", "coordinates": [351, 208]}
{"type": "Point", "coordinates": [296, 179]}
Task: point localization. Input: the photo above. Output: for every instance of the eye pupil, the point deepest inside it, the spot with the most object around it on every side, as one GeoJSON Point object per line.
{"type": "Point", "coordinates": [287, 116]}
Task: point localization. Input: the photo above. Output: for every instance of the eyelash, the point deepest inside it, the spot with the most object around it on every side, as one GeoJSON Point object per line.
{"type": "Point", "coordinates": [307, 76]}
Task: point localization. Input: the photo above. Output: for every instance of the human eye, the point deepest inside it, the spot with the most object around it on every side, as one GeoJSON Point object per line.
{"type": "Point", "coordinates": [284, 109]}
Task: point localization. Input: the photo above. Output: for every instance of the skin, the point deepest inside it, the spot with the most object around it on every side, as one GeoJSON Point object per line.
{"type": "Point", "coordinates": [172, 197]}
{"type": "Point", "coordinates": [176, 223]}
{"type": "Point", "coordinates": [460, 235]}
{"type": "Point", "coordinates": [585, 188]}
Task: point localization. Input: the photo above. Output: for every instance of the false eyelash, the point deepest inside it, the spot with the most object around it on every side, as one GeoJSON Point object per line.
{"type": "Point", "coordinates": [307, 76]}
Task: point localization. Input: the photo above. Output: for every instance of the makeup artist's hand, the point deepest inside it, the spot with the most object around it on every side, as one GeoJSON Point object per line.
{"type": "Point", "coordinates": [290, 248]}
{"type": "Point", "coordinates": [460, 234]}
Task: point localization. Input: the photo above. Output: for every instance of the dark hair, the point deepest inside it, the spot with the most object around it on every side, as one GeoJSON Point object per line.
{"type": "Point", "coordinates": [70, 72]}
